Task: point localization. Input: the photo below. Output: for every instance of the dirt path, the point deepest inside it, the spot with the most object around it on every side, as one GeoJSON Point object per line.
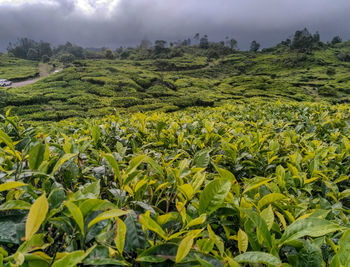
{"type": "Point", "coordinates": [44, 69]}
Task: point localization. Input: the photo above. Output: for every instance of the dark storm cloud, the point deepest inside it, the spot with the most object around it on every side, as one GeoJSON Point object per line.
{"type": "Point", "coordinates": [268, 21]}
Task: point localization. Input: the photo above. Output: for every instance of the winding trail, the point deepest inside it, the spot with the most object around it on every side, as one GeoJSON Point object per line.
{"type": "Point", "coordinates": [44, 72]}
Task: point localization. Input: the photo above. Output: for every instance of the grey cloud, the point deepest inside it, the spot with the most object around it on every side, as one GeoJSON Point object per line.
{"type": "Point", "coordinates": [268, 21]}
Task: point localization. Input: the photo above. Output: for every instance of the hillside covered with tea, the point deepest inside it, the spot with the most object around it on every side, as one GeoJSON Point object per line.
{"type": "Point", "coordinates": [172, 78]}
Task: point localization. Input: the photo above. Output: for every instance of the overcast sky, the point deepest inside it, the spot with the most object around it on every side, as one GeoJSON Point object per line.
{"type": "Point", "coordinates": [114, 23]}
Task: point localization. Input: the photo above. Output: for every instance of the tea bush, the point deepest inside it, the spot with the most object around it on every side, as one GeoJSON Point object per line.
{"type": "Point", "coordinates": [238, 185]}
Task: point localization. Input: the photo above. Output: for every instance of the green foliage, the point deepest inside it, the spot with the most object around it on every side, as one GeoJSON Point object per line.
{"type": "Point", "coordinates": [258, 183]}
{"type": "Point", "coordinates": [15, 69]}
{"type": "Point", "coordinates": [90, 88]}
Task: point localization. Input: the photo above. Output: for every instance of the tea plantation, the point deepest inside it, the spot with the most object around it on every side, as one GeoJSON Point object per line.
{"type": "Point", "coordinates": [240, 160]}
{"type": "Point", "coordinates": [238, 185]}
{"type": "Point", "coordinates": [88, 88]}
{"type": "Point", "coordinates": [15, 69]}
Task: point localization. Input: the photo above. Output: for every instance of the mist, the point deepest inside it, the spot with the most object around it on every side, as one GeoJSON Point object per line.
{"type": "Point", "coordinates": [111, 23]}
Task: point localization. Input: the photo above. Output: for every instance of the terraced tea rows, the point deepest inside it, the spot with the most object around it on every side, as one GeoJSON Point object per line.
{"type": "Point", "coordinates": [89, 88]}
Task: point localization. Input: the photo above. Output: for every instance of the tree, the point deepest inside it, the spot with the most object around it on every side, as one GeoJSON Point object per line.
{"type": "Point", "coordinates": [76, 51]}
{"type": "Point", "coordinates": [33, 54]}
{"type": "Point", "coordinates": [119, 50]}
{"type": "Point", "coordinates": [21, 48]}
{"type": "Point", "coordinates": [317, 37]}
{"type": "Point", "coordinates": [212, 54]}
{"type": "Point", "coordinates": [145, 44]}
{"type": "Point", "coordinates": [45, 58]}
{"type": "Point", "coordinates": [109, 54]}
{"type": "Point", "coordinates": [44, 49]}
{"type": "Point", "coordinates": [204, 42]}
{"type": "Point", "coordinates": [254, 46]}
{"type": "Point", "coordinates": [233, 44]}
{"type": "Point", "coordinates": [124, 54]}
{"type": "Point", "coordinates": [336, 40]}
{"type": "Point", "coordinates": [287, 42]}
{"type": "Point", "coordinates": [159, 46]}
{"type": "Point", "coordinates": [196, 37]}
{"type": "Point", "coordinates": [186, 42]}
{"type": "Point", "coordinates": [67, 58]}
{"type": "Point", "coordinates": [304, 41]}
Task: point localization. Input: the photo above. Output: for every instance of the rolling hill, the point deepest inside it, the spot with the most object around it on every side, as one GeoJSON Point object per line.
{"type": "Point", "coordinates": [99, 87]}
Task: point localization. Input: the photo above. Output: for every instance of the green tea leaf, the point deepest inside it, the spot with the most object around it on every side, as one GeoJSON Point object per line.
{"type": "Point", "coordinates": [119, 240]}
{"type": "Point", "coordinates": [225, 174]}
{"type": "Point", "coordinates": [202, 158]}
{"type": "Point", "coordinates": [198, 221]}
{"type": "Point", "coordinates": [107, 215]}
{"type": "Point", "coordinates": [150, 224]}
{"type": "Point", "coordinates": [184, 248]}
{"type": "Point", "coordinates": [311, 226]}
{"type": "Point", "coordinates": [268, 216]}
{"type": "Point", "coordinates": [70, 260]}
{"type": "Point", "coordinates": [96, 134]}
{"type": "Point", "coordinates": [15, 205]}
{"type": "Point", "coordinates": [7, 140]}
{"type": "Point", "coordinates": [213, 195]}
{"type": "Point", "coordinates": [36, 156]}
{"type": "Point", "coordinates": [258, 258]}
{"type": "Point", "coordinates": [76, 214]}
{"type": "Point", "coordinates": [11, 185]}
{"type": "Point", "coordinates": [36, 216]}
{"type": "Point", "coordinates": [242, 239]}
{"type": "Point", "coordinates": [256, 184]}
{"type": "Point", "coordinates": [114, 164]}
{"type": "Point", "coordinates": [186, 245]}
{"type": "Point", "coordinates": [270, 198]}
{"type": "Point", "coordinates": [342, 258]}
{"type": "Point", "coordinates": [260, 223]}
{"type": "Point", "coordinates": [62, 160]}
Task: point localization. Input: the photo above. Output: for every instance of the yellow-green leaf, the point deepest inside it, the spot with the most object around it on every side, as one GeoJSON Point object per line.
{"type": "Point", "coordinates": [184, 248]}
{"type": "Point", "coordinates": [242, 239]}
{"type": "Point", "coordinates": [267, 215]}
{"type": "Point", "coordinates": [134, 163]}
{"type": "Point", "coordinates": [225, 174]}
{"type": "Point", "coordinates": [257, 257]}
{"type": "Point", "coordinates": [70, 260]}
{"type": "Point", "coordinates": [198, 221]}
{"type": "Point", "coordinates": [36, 216]}
{"type": "Point", "coordinates": [150, 224]}
{"type": "Point", "coordinates": [186, 245]}
{"type": "Point", "coordinates": [213, 195]}
{"type": "Point", "coordinates": [11, 185]}
{"type": "Point", "coordinates": [36, 156]}
{"type": "Point", "coordinates": [76, 214]}
{"type": "Point", "coordinates": [62, 160]}
{"type": "Point", "coordinates": [281, 218]}
{"type": "Point", "coordinates": [108, 215]}
{"type": "Point", "coordinates": [256, 184]}
{"type": "Point", "coordinates": [218, 242]}
{"type": "Point", "coordinates": [7, 140]}
{"type": "Point", "coordinates": [186, 190]}
{"type": "Point", "coordinates": [120, 237]}
{"type": "Point", "coordinates": [270, 198]}
{"type": "Point", "coordinates": [114, 164]}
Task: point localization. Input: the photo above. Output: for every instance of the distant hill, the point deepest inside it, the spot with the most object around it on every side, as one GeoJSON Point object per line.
{"type": "Point", "coordinates": [98, 87]}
